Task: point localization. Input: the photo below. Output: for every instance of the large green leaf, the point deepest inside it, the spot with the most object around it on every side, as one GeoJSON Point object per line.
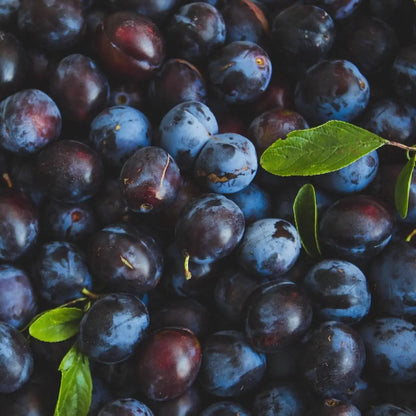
{"type": "Point", "coordinates": [306, 219]}
{"type": "Point", "coordinates": [76, 385]}
{"type": "Point", "coordinates": [56, 325]}
{"type": "Point", "coordinates": [319, 150]}
{"type": "Point", "coordinates": [402, 188]}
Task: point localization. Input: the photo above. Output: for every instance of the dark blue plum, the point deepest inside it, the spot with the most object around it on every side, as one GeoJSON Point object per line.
{"type": "Point", "coordinates": [125, 406]}
{"type": "Point", "coordinates": [393, 280]}
{"type": "Point", "coordinates": [280, 399]}
{"type": "Point", "coordinates": [227, 163]}
{"type": "Point", "coordinates": [391, 349]}
{"type": "Point", "coordinates": [338, 290]}
{"type": "Point", "coordinates": [334, 407]}
{"type": "Point", "coordinates": [117, 132]}
{"type": "Point", "coordinates": [230, 366]}
{"type": "Point", "coordinates": [17, 297]}
{"type": "Point", "coordinates": [29, 120]}
{"type": "Point", "coordinates": [111, 329]}
{"type": "Point", "coordinates": [240, 72]}
{"type": "Point", "coordinates": [209, 228]}
{"type": "Point", "coordinates": [194, 31]}
{"type": "Point", "coordinates": [19, 226]}
{"type": "Point", "coordinates": [332, 90]}
{"type": "Point", "coordinates": [69, 171]}
{"type": "Point", "coordinates": [276, 315]}
{"type": "Point", "coordinates": [61, 272]}
{"type": "Point", "coordinates": [255, 202]}
{"type": "Point", "coordinates": [388, 410]}
{"type": "Point", "coordinates": [274, 124]}
{"type": "Point", "coordinates": [16, 360]}
{"type": "Point", "coordinates": [356, 227]}
{"type": "Point", "coordinates": [122, 257]}
{"type": "Point", "coordinates": [403, 74]}
{"type": "Point", "coordinates": [332, 358]}
{"type": "Point", "coordinates": [301, 36]}
{"type": "Point", "coordinates": [270, 247]}
{"type": "Point", "coordinates": [338, 9]}
{"type": "Point", "coordinates": [352, 178]}
{"type": "Point", "coordinates": [225, 408]}
{"type": "Point", "coordinates": [185, 129]}
{"type": "Point", "coordinates": [74, 223]}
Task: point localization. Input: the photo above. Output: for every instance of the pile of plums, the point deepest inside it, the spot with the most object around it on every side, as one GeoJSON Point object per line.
{"type": "Point", "coordinates": [130, 138]}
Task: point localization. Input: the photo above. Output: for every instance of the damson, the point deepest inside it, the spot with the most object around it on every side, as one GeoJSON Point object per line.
{"type": "Point", "coordinates": [227, 163]}
{"type": "Point", "coordinates": [230, 366]}
{"type": "Point", "coordinates": [112, 328]}
{"type": "Point", "coordinates": [332, 358]}
{"type": "Point", "coordinates": [150, 180]}
{"type": "Point", "coordinates": [209, 228]}
{"type": "Point", "coordinates": [275, 315]}
{"type": "Point", "coordinates": [389, 410]}
{"type": "Point", "coordinates": [225, 408]}
{"type": "Point", "coordinates": [168, 362]}
{"type": "Point", "coordinates": [270, 247]}
{"type": "Point", "coordinates": [16, 360]}
{"type": "Point", "coordinates": [334, 407]}
{"type": "Point", "coordinates": [127, 407]}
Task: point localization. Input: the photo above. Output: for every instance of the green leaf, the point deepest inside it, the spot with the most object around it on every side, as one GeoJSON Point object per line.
{"type": "Point", "coordinates": [319, 150]}
{"type": "Point", "coordinates": [402, 188]}
{"type": "Point", "coordinates": [76, 385]}
{"type": "Point", "coordinates": [306, 219]}
{"type": "Point", "coordinates": [56, 325]}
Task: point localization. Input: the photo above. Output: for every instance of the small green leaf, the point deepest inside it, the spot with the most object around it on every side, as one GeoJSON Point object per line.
{"type": "Point", "coordinates": [56, 325]}
{"type": "Point", "coordinates": [402, 188]}
{"type": "Point", "coordinates": [306, 219]}
{"type": "Point", "coordinates": [76, 386]}
{"type": "Point", "coordinates": [319, 150]}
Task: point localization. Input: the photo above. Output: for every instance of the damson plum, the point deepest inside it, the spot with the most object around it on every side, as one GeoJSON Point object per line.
{"type": "Point", "coordinates": [209, 228]}
{"type": "Point", "coordinates": [19, 225]}
{"type": "Point", "coordinates": [332, 358]}
{"type": "Point", "coordinates": [334, 407]}
{"type": "Point", "coordinates": [150, 180]}
{"type": "Point", "coordinates": [230, 366]}
{"type": "Point", "coordinates": [54, 25]}
{"type": "Point", "coordinates": [389, 410]}
{"type": "Point", "coordinates": [301, 36]}
{"type": "Point", "coordinates": [275, 315]}
{"type": "Point", "coordinates": [129, 45]}
{"type": "Point", "coordinates": [184, 129]}
{"type": "Point", "coordinates": [225, 408]}
{"type": "Point", "coordinates": [240, 72]}
{"type": "Point", "coordinates": [402, 73]}
{"type": "Point", "coordinates": [17, 296]}
{"type": "Point", "coordinates": [332, 90]}
{"type": "Point", "coordinates": [16, 360]}
{"type": "Point", "coordinates": [80, 98]}
{"type": "Point", "coordinates": [29, 120]}
{"type": "Point", "coordinates": [338, 290]}
{"type": "Point", "coordinates": [125, 407]}
{"type": "Point", "coordinates": [338, 9]}
{"type": "Point", "coordinates": [61, 272]}
{"type": "Point", "coordinates": [112, 328]}
{"type": "Point", "coordinates": [280, 399]}
{"type": "Point", "coordinates": [168, 362]}
{"type": "Point", "coordinates": [118, 131]}
{"type": "Point", "coordinates": [227, 163]}
{"type": "Point", "coordinates": [390, 345]}
{"type": "Point", "coordinates": [69, 171]}
{"type": "Point", "coordinates": [356, 227]}
{"type": "Point", "coordinates": [194, 31]}
{"type": "Point", "coordinates": [270, 247]}
{"type": "Point", "coordinates": [123, 258]}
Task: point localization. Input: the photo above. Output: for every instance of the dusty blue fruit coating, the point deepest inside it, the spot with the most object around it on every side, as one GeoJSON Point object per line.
{"type": "Point", "coordinates": [391, 349]}
{"type": "Point", "coordinates": [225, 408]}
{"type": "Point", "coordinates": [111, 329]}
{"type": "Point", "coordinates": [338, 290]}
{"type": "Point", "coordinates": [332, 90]}
{"type": "Point", "coordinates": [270, 247]}
{"type": "Point", "coordinates": [389, 410]}
{"type": "Point", "coordinates": [403, 73]}
{"type": "Point", "coordinates": [227, 163]}
{"type": "Point", "coordinates": [16, 360]}
{"type": "Point", "coordinates": [125, 406]}
{"type": "Point", "coordinates": [185, 129]}
{"type": "Point", "coordinates": [117, 132]}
